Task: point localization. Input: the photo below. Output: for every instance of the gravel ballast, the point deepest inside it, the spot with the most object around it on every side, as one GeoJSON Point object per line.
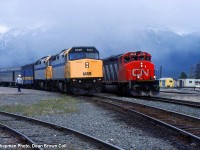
{"type": "Point", "coordinates": [102, 123]}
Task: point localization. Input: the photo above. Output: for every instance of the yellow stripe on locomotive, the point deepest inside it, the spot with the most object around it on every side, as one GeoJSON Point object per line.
{"type": "Point", "coordinates": [48, 72]}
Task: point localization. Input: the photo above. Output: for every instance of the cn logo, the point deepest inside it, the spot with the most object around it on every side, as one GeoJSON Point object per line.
{"type": "Point", "coordinates": [86, 64]}
{"type": "Point", "coordinates": [139, 72]}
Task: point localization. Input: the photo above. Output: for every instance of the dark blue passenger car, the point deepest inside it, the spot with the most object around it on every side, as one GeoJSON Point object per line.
{"type": "Point", "coordinates": [28, 75]}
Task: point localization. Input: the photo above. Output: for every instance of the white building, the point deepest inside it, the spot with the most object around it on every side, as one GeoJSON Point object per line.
{"type": "Point", "coordinates": [188, 83]}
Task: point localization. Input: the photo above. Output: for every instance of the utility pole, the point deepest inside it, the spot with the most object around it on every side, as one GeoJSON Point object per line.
{"type": "Point", "coordinates": [160, 71]}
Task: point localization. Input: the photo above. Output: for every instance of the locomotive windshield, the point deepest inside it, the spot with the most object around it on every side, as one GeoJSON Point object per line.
{"type": "Point", "coordinates": [136, 57]}
{"type": "Point", "coordinates": [81, 53]}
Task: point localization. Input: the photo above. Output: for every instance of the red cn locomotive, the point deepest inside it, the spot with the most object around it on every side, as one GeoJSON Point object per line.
{"type": "Point", "coordinates": [130, 73]}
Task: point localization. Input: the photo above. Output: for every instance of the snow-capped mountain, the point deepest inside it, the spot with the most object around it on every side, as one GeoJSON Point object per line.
{"type": "Point", "coordinates": [174, 51]}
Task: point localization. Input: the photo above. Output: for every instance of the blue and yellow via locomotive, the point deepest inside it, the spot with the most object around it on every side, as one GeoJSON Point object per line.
{"type": "Point", "coordinates": [76, 70]}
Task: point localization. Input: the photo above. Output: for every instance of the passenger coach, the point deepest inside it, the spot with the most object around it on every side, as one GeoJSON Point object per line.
{"type": "Point", "coordinates": [8, 76]}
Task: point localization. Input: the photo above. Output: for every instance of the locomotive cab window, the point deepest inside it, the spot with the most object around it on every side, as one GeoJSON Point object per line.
{"type": "Point", "coordinates": [92, 55]}
{"type": "Point", "coordinates": [126, 59]}
{"type": "Point", "coordinates": [148, 58]}
{"type": "Point", "coordinates": [82, 55]}
{"type": "Point", "coordinates": [141, 57]}
{"type": "Point", "coordinates": [134, 58]}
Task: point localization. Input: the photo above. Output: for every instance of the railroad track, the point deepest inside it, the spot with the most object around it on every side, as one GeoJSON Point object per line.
{"type": "Point", "coordinates": [185, 125]}
{"type": "Point", "coordinates": [11, 139]}
{"type": "Point", "coordinates": [175, 92]}
{"type": "Point", "coordinates": [173, 101]}
{"type": "Point", "coordinates": [44, 135]}
{"type": "Point", "coordinates": [181, 90]}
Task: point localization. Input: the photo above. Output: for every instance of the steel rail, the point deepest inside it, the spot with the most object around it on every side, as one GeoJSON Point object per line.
{"type": "Point", "coordinates": [98, 142]}
{"type": "Point", "coordinates": [21, 137]}
{"type": "Point", "coordinates": [176, 92]}
{"type": "Point", "coordinates": [173, 101]}
{"type": "Point", "coordinates": [158, 116]}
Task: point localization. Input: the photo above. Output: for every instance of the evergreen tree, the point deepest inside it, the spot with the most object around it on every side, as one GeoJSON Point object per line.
{"type": "Point", "coordinates": [197, 71]}
{"type": "Point", "coordinates": [183, 75]}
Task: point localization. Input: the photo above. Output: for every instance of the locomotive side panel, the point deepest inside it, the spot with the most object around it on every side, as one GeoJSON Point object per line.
{"type": "Point", "coordinates": [111, 72]}
{"type": "Point", "coordinates": [58, 71]}
{"type": "Point", "coordinates": [39, 72]}
{"type": "Point", "coordinates": [58, 67]}
{"type": "Point", "coordinates": [40, 68]}
{"type": "Point", "coordinates": [111, 69]}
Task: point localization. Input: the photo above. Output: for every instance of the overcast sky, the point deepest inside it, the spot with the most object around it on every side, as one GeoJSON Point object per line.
{"type": "Point", "coordinates": [178, 15]}
{"type": "Point", "coordinates": [101, 23]}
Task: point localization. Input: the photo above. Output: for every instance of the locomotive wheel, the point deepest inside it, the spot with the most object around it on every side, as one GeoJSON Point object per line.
{"type": "Point", "coordinates": [68, 88]}
{"type": "Point", "coordinates": [64, 88]}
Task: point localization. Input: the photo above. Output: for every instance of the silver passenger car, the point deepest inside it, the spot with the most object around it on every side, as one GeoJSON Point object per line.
{"type": "Point", "coordinates": [8, 76]}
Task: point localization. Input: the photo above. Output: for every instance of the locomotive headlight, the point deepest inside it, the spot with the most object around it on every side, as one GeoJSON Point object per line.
{"type": "Point", "coordinates": [74, 80]}
{"type": "Point", "coordinates": [154, 77]}
{"type": "Point", "coordinates": [138, 77]}
{"type": "Point", "coordinates": [99, 80]}
{"type": "Point", "coordinates": [94, 80]}
{"type": "Point", "coordinates": [79, 81]}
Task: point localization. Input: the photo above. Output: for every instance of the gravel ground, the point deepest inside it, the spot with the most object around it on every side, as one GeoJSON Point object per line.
{"type": "Point", "coordinates": [103, 123]}
{"type": "Point", "coordinates": [195, 112]}
{"type": "Point", "coordinates": [10, 96]}
{"type": "Point", "coordinates": [110, 127]}
{"type": "Point", "coordinates": [44, 135]}
{"type": "Point", "coordinates": [188, 97]}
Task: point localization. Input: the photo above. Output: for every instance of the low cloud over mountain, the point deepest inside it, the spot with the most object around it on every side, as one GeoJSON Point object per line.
{"type": "Point", "coordinates": [174, 52]}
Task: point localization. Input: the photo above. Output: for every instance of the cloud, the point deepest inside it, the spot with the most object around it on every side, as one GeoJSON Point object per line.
{"type": "Point", "coordinates": [3, 29]}
{"type": "Point", "coordinates": [37, 28]}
